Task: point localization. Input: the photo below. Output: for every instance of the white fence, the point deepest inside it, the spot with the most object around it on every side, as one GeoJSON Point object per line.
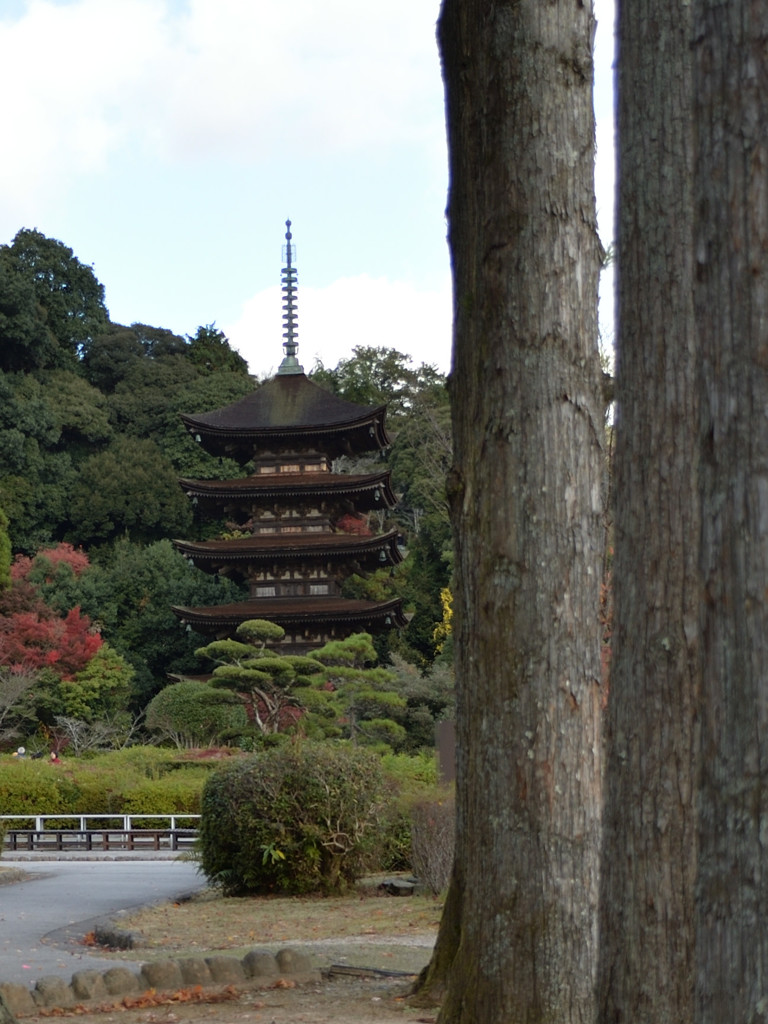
{"type": "Point", "coordinates": [125, 821]}
{"type": "Point", "coordinates": [60, 832]}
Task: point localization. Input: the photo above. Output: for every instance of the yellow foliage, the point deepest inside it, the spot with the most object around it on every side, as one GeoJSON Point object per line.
{"type": "Point", "coordinates": [444, 628]}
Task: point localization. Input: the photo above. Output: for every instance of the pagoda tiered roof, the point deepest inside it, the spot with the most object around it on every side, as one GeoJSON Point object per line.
{"type": "Point", "coordinates": [367, 491]}
{"type": "Point", "coordinates": [293, 560]}
{"type": "Point", "coordinates": [285, 412]}
{"type": "Point", "coordinates": [263, 550]}
{"type": "Point", "coordinates": [294, 614]}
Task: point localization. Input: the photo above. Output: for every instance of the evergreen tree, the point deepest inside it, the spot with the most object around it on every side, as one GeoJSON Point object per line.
{"type": "Point", "coordinates": [5, 551]}
{"type": "Point", "coordinates": [43, 279]}
{"type": "Point", "coordinates": [353, 697]}
{"type": "Point", "coordinates": [266, 679]}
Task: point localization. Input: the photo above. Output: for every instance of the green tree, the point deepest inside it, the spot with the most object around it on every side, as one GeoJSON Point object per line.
{"type": "Point", "coordinates": [354, 698]}
{"type": "Point", "coordinates": [130, 592]}
{"type": "Point", "coordinates": [36, 477]}
{"type": "Point", "coordinates": [429, 698]}
{"type": "Point", "coordinates": [194, 714]}
{"type": "Point", "coordinates": [209, 350]}
{"type": "Point", "coordinates": [130, 489]}
{"type": "Point", "coordinates": [147, 401]}
{"type": "Point", "coordinates": [25, 342]}
{"type": "Point", "coordinates": [5, 551]}
{"type": "Point", "coordinates": [109, 356]}
{"type": "Point", "coordinates": [266, 679]}
{"type": "Point", "coordinates": [421, 455]}
{"type": "Point", "coordinates": [67, 291]}
{"type": "Point", "coordinates": [418, 423]}
{"type": "Point", "coordinates": [377, 376]}
{"type": "Point", "coordinates": [97, 692]}
{"type": "Point", "coordinates": [80, 412]}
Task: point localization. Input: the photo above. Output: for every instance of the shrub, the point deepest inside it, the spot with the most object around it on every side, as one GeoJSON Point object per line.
{"type": "Point", "coordinates": [140, 780]}
{"type": "Point", "coordinates": [175, 794]}
{"type": "Point", "coordinates": [35, 787]}
{"type": "Point", "coordinates": [410, 779]}
{"type": "Point", "coordinates": [292, 819]}
{"type": "Point", "coordinates": [193, 714]}
{"type": "Point", "coordinates": [433, 823]}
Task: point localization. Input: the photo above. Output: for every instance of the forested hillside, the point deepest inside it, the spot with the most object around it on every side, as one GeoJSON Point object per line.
{"type": "Point", "coordinates": [91, 449]}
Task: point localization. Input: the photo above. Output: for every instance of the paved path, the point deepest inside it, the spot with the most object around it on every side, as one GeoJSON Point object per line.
{"type": "Point", "coordinates": [43, 919]}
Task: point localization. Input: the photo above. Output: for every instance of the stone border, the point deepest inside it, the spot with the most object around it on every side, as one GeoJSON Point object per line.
{"type": "Point", "coordinates": [257, 968]}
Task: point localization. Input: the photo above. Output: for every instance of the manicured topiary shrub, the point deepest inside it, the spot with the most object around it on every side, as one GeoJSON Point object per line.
{"type": "Point", "coordinates": [193, 714]}
{"type": "Point", "coordinates": [292, 819]}
{"type": "Point", "coordinates": [142, 780]}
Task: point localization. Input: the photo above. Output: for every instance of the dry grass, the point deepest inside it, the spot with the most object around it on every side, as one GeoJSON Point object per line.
{"type": "Point", "coordinates": [210, 921]}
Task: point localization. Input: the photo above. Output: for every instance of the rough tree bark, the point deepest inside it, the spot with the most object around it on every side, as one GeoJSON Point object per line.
{"type": "Point", "coordinates": [731, 248]}
{"type": "Point", "coordinates": [649, 847]}
{"type": "Point", "coordinates": [518, 936]}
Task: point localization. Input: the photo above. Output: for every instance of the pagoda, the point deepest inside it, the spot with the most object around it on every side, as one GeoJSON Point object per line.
{"type": "Point", "coordinates": [300, 528]}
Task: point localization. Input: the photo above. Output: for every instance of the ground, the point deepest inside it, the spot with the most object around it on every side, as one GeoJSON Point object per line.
{"type": "Point", "coordinates": [364, 930]}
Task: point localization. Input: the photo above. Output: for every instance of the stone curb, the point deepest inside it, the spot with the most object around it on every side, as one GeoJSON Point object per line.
{"type": "Point", "coordinates": [257, 968]}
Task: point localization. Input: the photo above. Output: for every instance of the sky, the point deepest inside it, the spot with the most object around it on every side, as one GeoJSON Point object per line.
{"type": "Point", "coordinates": [166, 142]}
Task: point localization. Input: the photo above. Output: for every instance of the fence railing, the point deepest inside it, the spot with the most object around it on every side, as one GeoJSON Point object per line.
{"type": "Point", "coordinates": [59, 832]}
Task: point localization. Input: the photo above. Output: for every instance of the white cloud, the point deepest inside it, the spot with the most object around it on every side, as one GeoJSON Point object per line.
{"type": "Point", "coordinates": [228, 79]}
{"type": "Point", "coordinates": [68, 72]}
{"type": "Point", "coordinates": [351, 311]}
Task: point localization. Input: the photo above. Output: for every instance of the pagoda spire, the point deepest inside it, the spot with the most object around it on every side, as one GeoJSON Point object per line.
{"type": "Point", "coordinates": [290, 363]}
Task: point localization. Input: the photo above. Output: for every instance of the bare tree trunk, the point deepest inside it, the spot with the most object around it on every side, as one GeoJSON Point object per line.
{"type": "Point", "coordinates": [649, 849]}
{"type": "Point", "coordinates": [518, 939]}
{"type": "Point", "coordinates": [731, 246]}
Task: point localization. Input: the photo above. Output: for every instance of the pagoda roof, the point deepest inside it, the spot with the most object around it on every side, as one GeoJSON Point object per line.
{"type": "Point", "coordinates": [375, 488]}
{"type": "Point", "coordinates": [297, 612]}
{"type": "Point", "coordinates": [265, 549]}
{"type": "Point", "coordinates": [285, 410]}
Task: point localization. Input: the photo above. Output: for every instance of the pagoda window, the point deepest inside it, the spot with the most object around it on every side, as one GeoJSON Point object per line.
{"type": "Point", "coordinates": [265, 592]}
{"type": "Point", "coordinates": [290, 467]}
{"type": "Point", "coordinates": [318, 588]}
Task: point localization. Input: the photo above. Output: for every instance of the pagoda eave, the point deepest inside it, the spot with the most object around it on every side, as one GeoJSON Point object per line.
{"type": "Point", "coordinates": [265, 550]}
{"type": "Point", "coordinates": [369, 491]}
{"type": "Point", "coordinates": [295, 614]}
{"type": "Point", "coordinates": [336, 441]}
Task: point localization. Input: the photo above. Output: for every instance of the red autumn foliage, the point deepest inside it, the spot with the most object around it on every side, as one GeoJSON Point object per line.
{"type": "Point", "coordinates": [354, 524]}
{"type": "Point", "coordinates": [37, 639]}
{"type": "Point", "coordinates": [22, 596]}
{"type": "Point", "coordinates": [76, 559]}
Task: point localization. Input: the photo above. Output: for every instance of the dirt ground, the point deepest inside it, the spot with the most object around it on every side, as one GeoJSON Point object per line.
{"type": "Point", "coordinates": [366, 930]}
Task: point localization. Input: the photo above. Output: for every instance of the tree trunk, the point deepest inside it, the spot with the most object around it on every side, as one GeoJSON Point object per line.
{"type": "Point", "coordinates": [731, 247]}
{"type": "Point", "coordinates": [518, 942]}
{"type": "Point", "coordinates": [649, 847]}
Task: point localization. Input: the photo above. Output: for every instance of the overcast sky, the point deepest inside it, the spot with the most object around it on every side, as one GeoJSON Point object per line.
{"type": "Point", "coordinates": [167, 141]}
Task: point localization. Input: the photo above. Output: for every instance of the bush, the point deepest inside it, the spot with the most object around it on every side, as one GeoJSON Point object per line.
{"type": "Point", "coordinates": [140, 780]}
{"type": "Point", "coordinates": [175, 794]}
{"type": "Point", "coordinates": [433, 824]}
{"type": "Point", "coordinates": [193, 714]}
{"type": "Point", "coordinates": [291, 819]}
{"type": "Point", "coordinates": [35, 787]}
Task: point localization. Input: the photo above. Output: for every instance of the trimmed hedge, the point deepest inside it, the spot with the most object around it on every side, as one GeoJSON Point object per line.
{"type": "Point", "coordinates": [140, 780]}
{"type": "Point", "coordinates": [292, 819]}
